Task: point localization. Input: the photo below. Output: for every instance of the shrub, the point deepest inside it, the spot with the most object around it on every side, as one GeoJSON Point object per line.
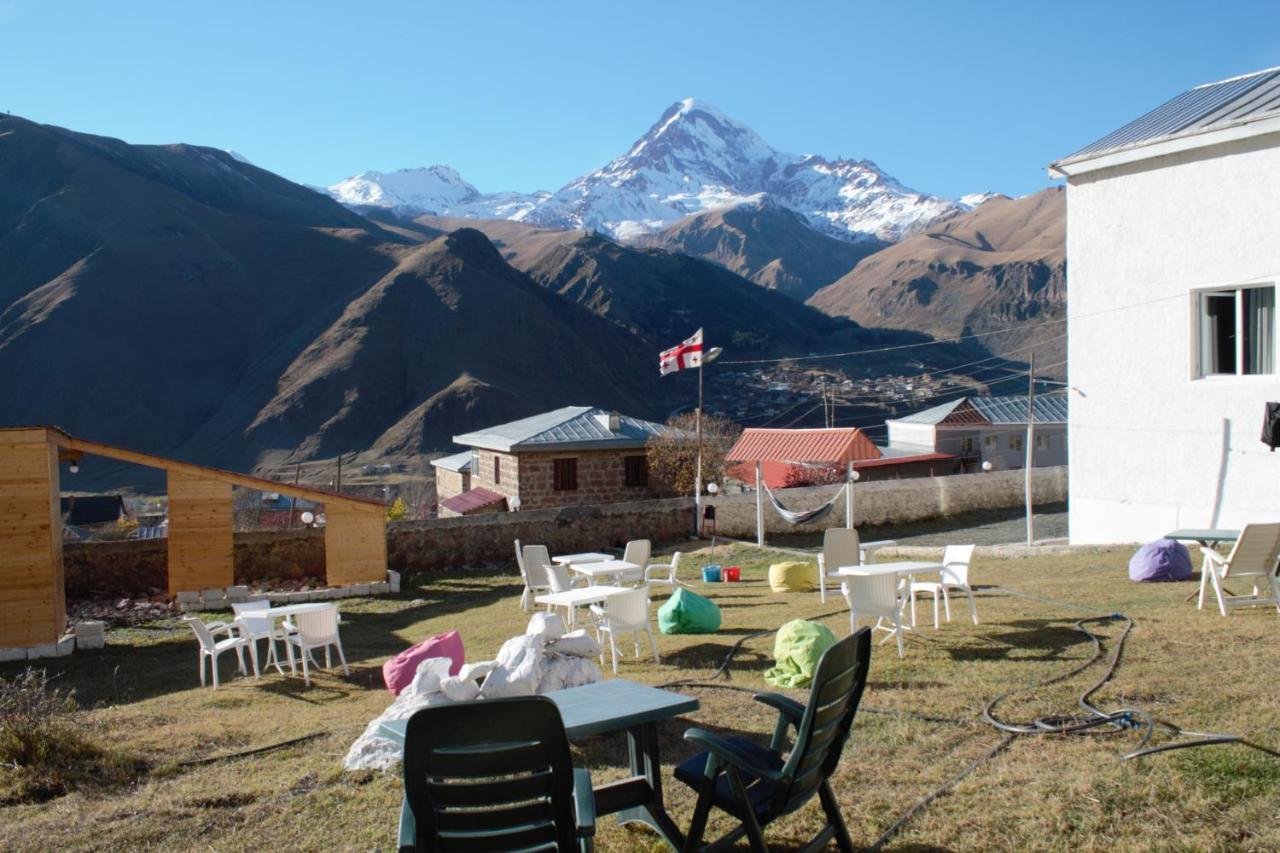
{"type": "Point", "coordinates": [42, 754]}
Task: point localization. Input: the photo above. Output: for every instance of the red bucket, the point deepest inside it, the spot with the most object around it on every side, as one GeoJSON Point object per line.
{"type": "Point", "coordinates": [732, 574]}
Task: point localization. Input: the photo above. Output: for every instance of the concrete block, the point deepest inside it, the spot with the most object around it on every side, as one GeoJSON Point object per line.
{"type": "Point", "coordinates": [213, 596]}
{"type": "Point", "coordinates": [359, 589]}
{"type": "Point", "coordinates": [90, 629]}
{"type": "Point", "coordinates": [259, 596]}
{"type": "Point", "coordinates": [393, 580]}
{"type": "Point", "coordinates": [278, 597]}
{"type": "Point", "coordinates": [9, 655]}
{"type": "Point", "coordinates": [237, 594]}
{"type": "Point", "coordinates": [326, 594]}
{"type": "Point", "coordinates": [44, 650]}
{"type": "Point", "coordinates": [188, 598]}
{"type": "Point", "coordinates": [90, 642]}
{"type": "Point", "coordinates": [66, 645]}
{"type": "Point", "coordinates": [190, 606]}
{"type": "Point", "coordinates": [299, 597]}
{"type": "Point", "coordinates": [379, 588]}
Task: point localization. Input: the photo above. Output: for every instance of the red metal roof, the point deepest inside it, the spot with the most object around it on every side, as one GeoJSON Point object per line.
{"type": "Point", "coordinates": [472, 500]}
{"type": "Point", "coordinates": [903, 460]}
{"type": "Point", "coordinates": [803, 445]}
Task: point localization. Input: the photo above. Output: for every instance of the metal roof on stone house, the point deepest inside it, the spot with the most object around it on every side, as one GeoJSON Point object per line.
{"type": "Point", "coordinates": [458, 462]}
{"type": "Point", "coordinates": [991, 411]}
{"type": "Point", "coordinates": [570, 428]}
{"type": "Point", "coordinates": [1208, 107]}
{"type": "Point", "coordinates": [472, 500]}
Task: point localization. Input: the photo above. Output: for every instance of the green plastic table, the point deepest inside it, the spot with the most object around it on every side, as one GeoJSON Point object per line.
{"type": "Point", "coordinates": [1204, 536]}
{"type": "Point", "coordinates": [607, 706]}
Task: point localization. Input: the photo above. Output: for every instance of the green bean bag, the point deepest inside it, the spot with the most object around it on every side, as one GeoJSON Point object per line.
{"type": "Point", "coordinates": [797, 650]}
{"type": "Point", "coordinates": [686, 612]}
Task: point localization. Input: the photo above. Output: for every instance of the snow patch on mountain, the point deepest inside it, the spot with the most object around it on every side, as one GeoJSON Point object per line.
{"type": "Point", "coordinates": [695, 158]}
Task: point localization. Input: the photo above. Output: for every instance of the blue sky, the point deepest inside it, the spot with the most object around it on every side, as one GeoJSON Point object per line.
{"type": "Point", "coordinates": [949, 97]}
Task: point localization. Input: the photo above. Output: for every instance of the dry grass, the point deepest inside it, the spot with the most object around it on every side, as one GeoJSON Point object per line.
{"type": "Point", "coordinates": [1192, 668]}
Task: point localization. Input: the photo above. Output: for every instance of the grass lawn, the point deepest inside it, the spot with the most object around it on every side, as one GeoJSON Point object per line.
{"type": "Point", "coordinates": [141, 697]}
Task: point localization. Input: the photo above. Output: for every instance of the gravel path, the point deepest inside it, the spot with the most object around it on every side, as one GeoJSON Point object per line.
{"type": "Point", "coordinates": [991, 527]}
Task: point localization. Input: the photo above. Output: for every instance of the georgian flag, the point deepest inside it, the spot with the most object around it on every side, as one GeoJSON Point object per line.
{"type": "Point", "coordinates": [682, 356]}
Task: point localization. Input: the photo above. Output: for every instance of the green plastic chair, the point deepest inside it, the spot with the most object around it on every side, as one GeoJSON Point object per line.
{"type": "Point", "coordinates": [493, 775]}
{"type": "Point", "coordinates": [758, 785]}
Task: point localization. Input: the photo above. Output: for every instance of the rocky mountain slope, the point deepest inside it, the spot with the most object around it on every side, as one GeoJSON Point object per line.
{"type": "Point", "coordinates": [692, 160]}
{"type": "Point", "coordinates": [765, 243]}
{"type": "Point", "coordinates": [999, 267]}
{"type": "Point", "coordinates": [175, 299]}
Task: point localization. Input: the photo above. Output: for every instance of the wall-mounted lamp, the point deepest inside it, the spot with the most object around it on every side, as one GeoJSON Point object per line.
{"type": "Point", "coordinates": [308, 518]}
{"type": "Point", "coordinates": [987, 466]}
{"type": "Point", "coordinates": [74, 467]}
{"type": "Point", "coordinates": [856, 475]}
{"type": "Point", "coordinates": [712, 488]}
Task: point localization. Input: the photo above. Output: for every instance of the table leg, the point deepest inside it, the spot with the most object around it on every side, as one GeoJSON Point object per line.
{"type": "Point", "coordinates": [642, 747]}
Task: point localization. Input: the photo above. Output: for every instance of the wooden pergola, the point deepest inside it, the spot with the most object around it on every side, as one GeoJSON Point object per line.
{"type": "Point", "coordinates": [32, 593]}
{"type": "Point", "coordinates": [833, 445]}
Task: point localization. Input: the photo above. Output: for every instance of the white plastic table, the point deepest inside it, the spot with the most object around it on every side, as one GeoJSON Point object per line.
{"type": "Point", "coordinates": [866, 550]}
{"type": "Point", "coordinates": [586, 557]}
{"type": "Point", "coordinates": [284, 610]}
{"type": "Point", "coordinates": [905, 569]}
{"type": "Point", "coordinates": [610, 568]}
{"type": "Point", "coordinates": [572, 599]}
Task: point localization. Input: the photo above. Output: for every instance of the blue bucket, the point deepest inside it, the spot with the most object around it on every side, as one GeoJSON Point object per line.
{"type": "Point", "coordinates": [711, 574]}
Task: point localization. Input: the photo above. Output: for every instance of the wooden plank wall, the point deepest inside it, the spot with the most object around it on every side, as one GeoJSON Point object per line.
{"type": "Point", "coordinates": [201, 552]}
{"type": "Point", "coordinates": [355, 543]}
{"type": "Point", "coordinates": [33, 610]}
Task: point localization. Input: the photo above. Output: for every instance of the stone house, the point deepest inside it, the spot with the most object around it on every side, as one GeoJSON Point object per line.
{"type": "Point", "coordinates": [574, 455]}
{"type": "Point", "coordinates": [453, 474]}
{"type": "Point", "coordinates": [1172, 265]}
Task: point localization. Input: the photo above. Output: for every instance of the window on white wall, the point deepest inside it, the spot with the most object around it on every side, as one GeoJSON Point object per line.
{"type": "Point", "coordinates": [1016, 442]}
{"type": "Point", "coordinates": [1237, 331]}
{"type": "Point", "coordinates": [1042, 442]}
{"type": "Point", "coordinates": [967, 445]}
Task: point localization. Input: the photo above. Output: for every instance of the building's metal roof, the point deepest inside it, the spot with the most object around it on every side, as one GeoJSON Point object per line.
{"type": "Point", "coordinates": [803, 445]}
{"type": "Point", "coordinates": [459, 462]}
{"type": "Point", "coordinates": [472, 500]}
{"type": "Point", "coordinates": [570, 428]}
{"type": "Point", "coordinates": [989, 411]}
{"type": "Point", "coordinates": [1207, 107]}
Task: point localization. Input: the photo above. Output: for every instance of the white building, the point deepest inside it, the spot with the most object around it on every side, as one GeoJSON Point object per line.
{"type": "Point", "coordinates": [986, 429]}
{"type": "Point", "coordinates": [1173, 254]}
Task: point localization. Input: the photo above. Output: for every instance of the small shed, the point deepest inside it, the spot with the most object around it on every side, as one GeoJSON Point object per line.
{"type": "Point", "coordinates": [841, 445]}
{"type": "Point", "coordinates": [32, 595]}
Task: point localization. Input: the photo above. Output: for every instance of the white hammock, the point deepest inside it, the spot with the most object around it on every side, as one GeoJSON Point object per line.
{"type": "Point", "coordinates": [807, 516]}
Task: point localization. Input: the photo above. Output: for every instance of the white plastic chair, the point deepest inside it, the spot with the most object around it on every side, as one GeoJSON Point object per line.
{"type": "Point", "coordinates": [840, 547]}
{"type": "Point", "coordinates": [211, 646]}
{"type": "Point", "coordinates": [318, 629]}
{"type": "Point", "coordinates": [875, 596]}
{"type": "Point", "coordinates": [543, 575]}
{"type": "Point", "coordinates": [955, 575]}
{"type": "Point", "coordinates": [1254, 560]}
{"type": "Point", "coordinates": [526, 597]}
{"type": "Point", "coordinates": [623, 614]}
{"type": "Point", "coordinates": [258, 627]}
{"type": "Point", "coordinates": [664, 572]}
{"type": "Point", "coordinates": [638, 552]}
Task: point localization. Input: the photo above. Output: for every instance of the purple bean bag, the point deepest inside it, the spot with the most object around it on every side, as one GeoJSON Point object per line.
{"type": "Point", "coordinates": [1161, 560]}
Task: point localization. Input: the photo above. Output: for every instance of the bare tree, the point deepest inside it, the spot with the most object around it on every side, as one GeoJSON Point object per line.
{"type": "Point", "coordinates": [673, 457]}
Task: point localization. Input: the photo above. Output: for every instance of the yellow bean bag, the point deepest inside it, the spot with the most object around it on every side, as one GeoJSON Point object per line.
{"type": "Point", "coordinates": [793, 576]}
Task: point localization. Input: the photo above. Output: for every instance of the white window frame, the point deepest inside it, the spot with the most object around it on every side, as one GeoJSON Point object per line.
{"type": "Point", "coordinates": [989, 440]}
{"type": "Point", "coordinates": [1198, 308]}
{"type": "Point", "coordinates": [1042, 441]}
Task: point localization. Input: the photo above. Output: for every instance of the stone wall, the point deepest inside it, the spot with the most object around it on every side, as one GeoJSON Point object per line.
{"type": "Point", "coordinates": [893, 501]}
{"type": "Point", "coordinates": [415, 546]}
{"type": "Point", "coordinates": [450, 483]}
{"type": "Point", "coordinates": [601, 477]}
{"type": "Point", "coordinates": [135, 567]}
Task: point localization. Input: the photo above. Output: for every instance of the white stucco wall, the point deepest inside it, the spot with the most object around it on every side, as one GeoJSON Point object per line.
{"type": "Point", "coordinates": [1151, 447]}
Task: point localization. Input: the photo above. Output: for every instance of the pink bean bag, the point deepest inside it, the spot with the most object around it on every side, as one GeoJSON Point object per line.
{"type": "Point", "coordinates": [399, 671]}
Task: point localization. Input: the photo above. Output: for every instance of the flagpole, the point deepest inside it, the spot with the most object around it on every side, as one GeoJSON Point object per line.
{"type": "Point", "coordinates": [697, 475]}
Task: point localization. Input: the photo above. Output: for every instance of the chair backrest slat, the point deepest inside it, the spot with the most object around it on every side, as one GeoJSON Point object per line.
{"type": "Point", "coordinates": [873, 595]}
{"type": "Point", "coordinates": [628, 608]}
{"type": "Point", "coordinates": [520, 558]}
{"type": "Point", "coordinates": [837, 688]}
{"type": "Point", "coordinates": [203, 636]}
{"type": "Point", "coordinates": [1256, 551]}
{"type": "Point", "coordinates": [956, 560]}
{"type": "Point", "coordinates": [537, 562]}
{"type": "Point", "coordinates": [840, 547]}
{"type": "Point", "coordinates": [317, 624]}
{"type": "Point", "coordinates": [490, 775]}
{"type": "Point", "coordinates": [637, 551]}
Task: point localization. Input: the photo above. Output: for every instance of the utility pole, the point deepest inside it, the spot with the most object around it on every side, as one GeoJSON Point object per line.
{"type": "Point", "coordinates": [1031, 437]}
{"type": "Point", "coordinates": [293, 502]}
{"type": "Point", "coordinates": [707, 357]}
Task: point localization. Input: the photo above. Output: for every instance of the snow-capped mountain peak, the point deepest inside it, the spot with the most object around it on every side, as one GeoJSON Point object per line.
{"type": "Point", "coordinates": [695, 158]}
